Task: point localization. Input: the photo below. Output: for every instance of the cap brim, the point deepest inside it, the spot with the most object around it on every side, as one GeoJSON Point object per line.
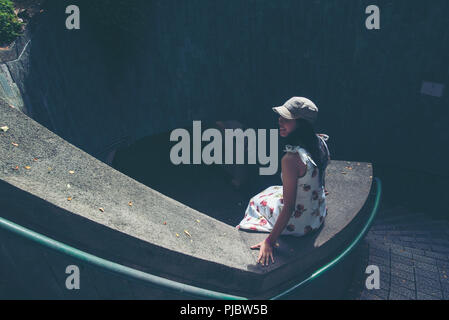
{"type": "Point", "coordinates": [283, 112]}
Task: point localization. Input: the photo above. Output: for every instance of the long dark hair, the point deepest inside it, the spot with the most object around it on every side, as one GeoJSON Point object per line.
{"type": "Point", "coordinates": [306, 137]}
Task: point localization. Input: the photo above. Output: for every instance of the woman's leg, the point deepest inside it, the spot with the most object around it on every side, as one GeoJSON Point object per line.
{"type": "Point", "coordinates": [262, 210]}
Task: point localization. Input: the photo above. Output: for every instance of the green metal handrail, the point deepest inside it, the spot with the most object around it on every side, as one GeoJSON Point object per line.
{"type": "Point", "coordinates": [171, 285]}
{"type": "Point", "coordinates": [159, 282]}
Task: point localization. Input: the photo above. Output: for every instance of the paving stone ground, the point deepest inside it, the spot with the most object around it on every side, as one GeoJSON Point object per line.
{"type": "Point", "coordinates": [412, 253]}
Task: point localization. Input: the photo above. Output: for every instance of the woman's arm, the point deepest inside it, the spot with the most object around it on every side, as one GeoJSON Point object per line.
{"type": "Point", "coordinates": [289, 178]}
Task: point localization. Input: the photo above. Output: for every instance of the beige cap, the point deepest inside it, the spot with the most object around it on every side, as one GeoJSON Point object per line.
{"type": "Point", "coordinates": [298, 108]}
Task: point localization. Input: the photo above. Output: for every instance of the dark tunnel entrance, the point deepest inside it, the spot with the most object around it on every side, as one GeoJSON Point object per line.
{"type": "Point", "coordinates": [210, 189]}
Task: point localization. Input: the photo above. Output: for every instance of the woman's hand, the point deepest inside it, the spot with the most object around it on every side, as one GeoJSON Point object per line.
{"type": "Point", "coordinates": [290, 174]}
{"type": "Point", "coordinates": [266, 252]}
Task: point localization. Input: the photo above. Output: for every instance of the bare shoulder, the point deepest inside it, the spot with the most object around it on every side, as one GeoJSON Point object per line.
{"type": "Point", "coordinates": [290, 158]}
{"type": "Point", "coordinates": [291, 162]}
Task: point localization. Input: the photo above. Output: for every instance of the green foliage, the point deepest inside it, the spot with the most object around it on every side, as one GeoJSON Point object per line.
{"type": "Point", "coordinates": [10, 26]}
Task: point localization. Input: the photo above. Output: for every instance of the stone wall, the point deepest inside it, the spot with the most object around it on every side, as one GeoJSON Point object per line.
{"type": "Point", "coordinates": [210, 60]}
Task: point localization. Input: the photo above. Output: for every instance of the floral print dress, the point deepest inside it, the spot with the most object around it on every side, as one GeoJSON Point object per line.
{"type": "Point", "coordinates": [310, 206]}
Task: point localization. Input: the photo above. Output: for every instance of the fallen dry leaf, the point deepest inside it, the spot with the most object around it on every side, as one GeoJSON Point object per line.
{"type": "Point", "coordinates": [4, 128]}
{"type": "Point", "coordinates": [14, 144]}
{"type": "Point", "coordinates": [35, 159]}
{"type": "Point", "coordinates": [27, 167]}
{"type": "Point", "coordinates": [101, 209]}
{"type": "Point", "coordinates": [69, 199]}
{"type": "Point", "coordinates": [187, 233]}
{"type": "Point", "coordinates": [130, 203]}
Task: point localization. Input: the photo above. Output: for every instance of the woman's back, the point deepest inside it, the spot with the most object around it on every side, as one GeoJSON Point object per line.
{"type": "Point", "coordinates": [310, 204]}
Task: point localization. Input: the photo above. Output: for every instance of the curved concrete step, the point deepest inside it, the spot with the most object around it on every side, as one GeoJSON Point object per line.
{"type": "Point", "coordinates": [42, 172]}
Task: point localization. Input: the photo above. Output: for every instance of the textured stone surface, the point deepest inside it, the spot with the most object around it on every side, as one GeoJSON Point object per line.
{"type": "Point", "coordinates": [408, 270]}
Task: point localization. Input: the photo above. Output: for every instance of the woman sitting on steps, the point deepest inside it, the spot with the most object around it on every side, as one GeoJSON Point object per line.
{"type": "Point", "coordinates": [298, 207]}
